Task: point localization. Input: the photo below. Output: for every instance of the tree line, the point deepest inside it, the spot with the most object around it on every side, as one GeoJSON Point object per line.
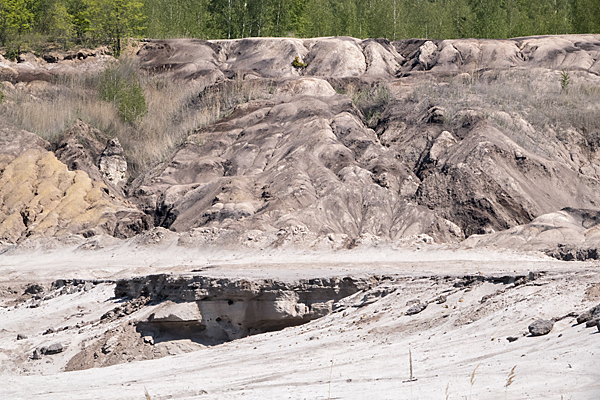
{"type": "Point", "coordinates": [88, 22]}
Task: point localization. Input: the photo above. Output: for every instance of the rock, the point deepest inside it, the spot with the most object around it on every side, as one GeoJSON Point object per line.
{"type": "Point", "coordinates": [598, 326]}
{"type": "Point", "coordinates": [54, 349]}
{"type": "Point", "coordinates": [592, 322]}
{"type": "Point", "coordinates": [591, 314]}
{"type": "Point", "coordinates": [80, 148]}
{"type": "Point", "coordinates": [512, 339]}
{"type": "Point", "coordinates": [49, 331]}
{"type": "Point", "coordinates": [148, 339]}
{"type": "Point", "coordinates": [541, 327]}
{"type": "Point", "coordinates": [110, 345]}
{"type": "Point", "coordinates": [34, 288]}
{"type": "Point", "coordinates": [436, 115]}
{"type": "Point", "coordinates": [306, 87]}
{"type": "Point", "coordinates": [112, 162]}
{"type": "Point", "coordinates": [427, 55]}
{"type": "Point", "coordinates": [53, 57]}
{"type": "Point", "coordinates": [35, 304]}
{"type": "Point", "coordinates": [8, 74]}
{"type": "Point", "coordinates": [36, 354]}
{"type": "Point", "coordinates": [443, 142]}
{"type": "Point", "coordinates": [21, 337]}
{"type": "Point", "coordinates": [415, 309]}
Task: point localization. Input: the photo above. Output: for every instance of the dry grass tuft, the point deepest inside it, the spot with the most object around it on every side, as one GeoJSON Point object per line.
{"type": "Point", "coordinates": [473, 380]}
{"type": "Point", "coordinates": [509, 380]}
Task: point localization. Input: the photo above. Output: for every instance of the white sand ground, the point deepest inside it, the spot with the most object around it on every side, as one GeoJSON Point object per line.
{"type": "Point", "coordinates": [368, 346]}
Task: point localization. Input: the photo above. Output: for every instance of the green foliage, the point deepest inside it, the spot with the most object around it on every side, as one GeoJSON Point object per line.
{"type": "Point", "coordinates": [15, 18]}
{"type": "Point", "coordinates": [1, 96]}
{"type": "Point", "coordinates": [93, 22]}
{"type": "Point", "coordinates": [121, 86]}
{"type": "Point", "coordinates": [565, 79]}
{"type": "Point", "coordinates": [115, 20]}
{"type": "Point", "coordinates": [298, 64]}
{"type": "Point", "coordinates": [13, 50]}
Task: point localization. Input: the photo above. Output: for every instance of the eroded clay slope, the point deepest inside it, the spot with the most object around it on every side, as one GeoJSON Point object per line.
{"type": "Point", "coordinates": [41, 197]}
{"type": "Point", "coordinates": [342, 57]}
{"type": "Point", "coordinates": [304, 161]}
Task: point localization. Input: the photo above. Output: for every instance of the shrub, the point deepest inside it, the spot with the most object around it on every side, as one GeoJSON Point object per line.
{"type": "Point", "coordinates": [565, 79]}
{"type": "Point", "coordinates": [121, 86]}
{"type": "Point", "coordinates": [298, 64]}
{"type": "Point", "coordinates": [371, 102]}
{"type": "Point", "coordinates": [13, 51]}
{"type": "Point", "coordinates": [1, 96]}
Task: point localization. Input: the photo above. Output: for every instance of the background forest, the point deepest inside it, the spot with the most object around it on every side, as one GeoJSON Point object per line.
{"type": "Point", "coordinates": [91, 22]}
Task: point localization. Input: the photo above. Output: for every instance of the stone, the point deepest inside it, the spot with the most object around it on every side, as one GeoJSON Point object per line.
{"type": "Point", "coordinates": [49, 331]}
{"type": "Point", "coordinates": [417, 308]}
{"type": "Point", "coordinates": [21, 337]}
{"type": "Point", "coordinates": [110, 345]}
{"type": "Point", "coordinates": [112, 162]}
{"type": "Point", "coordinates": [37, 355]}
{"type": "Point", "coordinates": [54, 349]}
{"type": "Point", "coordinates": [443, 142]}
{"type": "Point", "coordinates": [541, 327]}
{"type": "Point", "coordinates": [34, 288]}
{"type": "Point", "coordinates": [592, 322]}
{"type": "Point", "coordinates": [148, 339]}
{"type": "Point", "coordinates": [427, 54]}
{"type": "Point", "coordinates": [589, 316]}
{"type": "Point", "coordinates": [436, 115]}
{"type": "Point", "coordinates": [512, 339]}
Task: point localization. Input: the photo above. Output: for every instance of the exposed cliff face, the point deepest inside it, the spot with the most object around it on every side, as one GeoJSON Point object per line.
{"type": "Point", "coordinates": [211, 310]}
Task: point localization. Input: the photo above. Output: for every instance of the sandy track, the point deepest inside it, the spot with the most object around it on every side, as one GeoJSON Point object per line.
{"type": "Point", "coordinates": [369, 345]}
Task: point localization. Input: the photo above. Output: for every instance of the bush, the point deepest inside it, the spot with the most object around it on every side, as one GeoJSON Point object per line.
{"type": "Point", "coordinates": [121, 86]}
{"type": "Point", "coordinates": [1, 96]}
{"type": "Point", "coordinates": [298, 64]}
{"type": "Point", "coordinates": [13, 51]}
{"type": "Point", "coordinates": [371, 102]}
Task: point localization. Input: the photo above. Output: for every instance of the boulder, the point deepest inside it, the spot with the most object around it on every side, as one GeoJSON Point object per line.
{"type": "Point", "coordinates": [37, 355]}
{"type": "Point", "coordinates": [53, 349]}
{"type": "Point", "coordinates": [427, 56]}
{"type": "Point", "coordinates": [110, 345]}
{"type": "Point", "coordinates": [417, 308]}
{"type": "Point", "coordinates": [148, 339]}
{"type": "Point", "coordinates": [112, 162]}
{"type": "Point", "coordinates": [589, 315]}
{"type": "Point", "coordinates": [541, 327]}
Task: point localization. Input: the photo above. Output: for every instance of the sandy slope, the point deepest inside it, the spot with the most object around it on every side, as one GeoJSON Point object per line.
{"type": "Point", "coordinates": [369, 345]}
